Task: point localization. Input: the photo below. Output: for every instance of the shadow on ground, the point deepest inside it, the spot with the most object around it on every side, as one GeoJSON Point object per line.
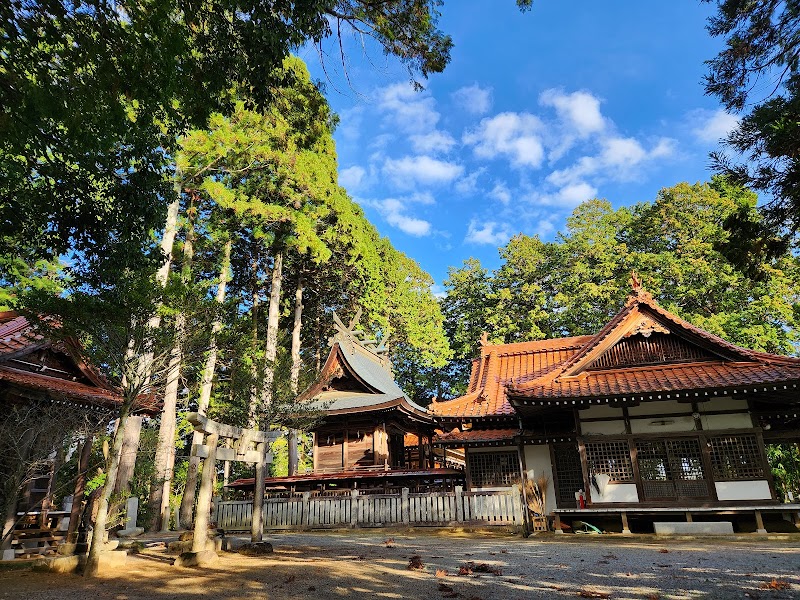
{"type": "Point", "coordinates": [375, 565]}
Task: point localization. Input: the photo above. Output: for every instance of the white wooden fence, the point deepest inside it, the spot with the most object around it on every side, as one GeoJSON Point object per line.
{"type": "Point", "coordinates": [378, 510]}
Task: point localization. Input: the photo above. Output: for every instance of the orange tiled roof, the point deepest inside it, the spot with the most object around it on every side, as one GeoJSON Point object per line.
{"type": "Point", "coordinates": [663, 378]}
{"type": "Point", "coordinates": [567, 368]}
{"type": "Point", "coordinates": [476, 435]}
{"type": "Point", "coordinates": [18, 338]}
{"type": "Point", "coordinates": [16, 333]}
{"type": "Point", "coordinates": [501, 364]}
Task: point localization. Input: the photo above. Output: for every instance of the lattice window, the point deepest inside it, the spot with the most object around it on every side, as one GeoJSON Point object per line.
{"type": "Point", "coordinates": [736, 457]}
{"type": "Point", "coordinates": [493, 469]}
{"type": "Point", "coordinates": [612, 458]}
{"type": "Point", "coordinates": [569, 473]}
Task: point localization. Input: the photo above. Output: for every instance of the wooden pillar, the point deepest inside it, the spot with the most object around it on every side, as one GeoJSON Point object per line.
{"type": "Point", "coordinates": [204, 495]}
{"type": "Point", "coordinates": [688, 517]}
{"type": "Point", "coordinates": [85, 453]}
{"type": "Point", "coordinates": [315, 451]}
{"type": "Point", "coordinates": [557, 523]}
{"type": "Point", "coordinates": [257, 525]}
{"type": "Point", "coordinates": [760, 523]}
{"type": "Point", "coordinates": [420, 449]}
{"type": "Point", "coordinates": [626, 530]}
{"type": "Point", "coordinates": [345, 448]}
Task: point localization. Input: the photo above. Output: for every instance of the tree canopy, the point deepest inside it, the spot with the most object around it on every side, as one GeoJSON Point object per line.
{"type": "Point", "coordinates": [572, 286]}
{"type": "Point", "coordinates": [758, 75]}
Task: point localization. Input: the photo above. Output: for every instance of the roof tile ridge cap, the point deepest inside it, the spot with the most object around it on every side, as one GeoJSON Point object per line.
{"type": "Point", "coordinates": [492, 375]}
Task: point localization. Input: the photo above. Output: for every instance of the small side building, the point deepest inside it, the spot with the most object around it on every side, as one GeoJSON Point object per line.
{"type": "Point", "coordinates": [370, 435]}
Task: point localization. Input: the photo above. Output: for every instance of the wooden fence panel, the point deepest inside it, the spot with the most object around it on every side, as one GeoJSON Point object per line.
{"type": "Point", "coordinates": [503, 507]}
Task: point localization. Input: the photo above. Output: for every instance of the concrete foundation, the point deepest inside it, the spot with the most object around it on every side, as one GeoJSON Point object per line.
{"type": "Point", "coordinates": [693, 528]}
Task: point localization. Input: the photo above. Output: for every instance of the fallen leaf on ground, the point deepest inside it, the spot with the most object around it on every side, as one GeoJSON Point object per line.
{"type": "Point", "coordinates": [664, 551]}
{"type": "Point", "coordinates": [591, 594]}
{"type": "Point", "coordinates": [776, 584]}
{"type": "Point", "coordinates": [389, 543]}
{"type": "Point", "coordinates": [289, 579]}
{"type": "Point", "coordinates": [470, 567]}
{"type": "Point", "coordinates": [415, 563]}
{"type": "Point", "coordinates": [441, 572]}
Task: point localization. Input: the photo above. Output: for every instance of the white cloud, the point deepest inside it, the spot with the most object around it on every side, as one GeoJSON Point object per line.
{"type": "Point", "coordinates": [489, 232]}
{"type": "Point", "coordinates": [397, 212]}
{"type": "Point", "coordinates": [408, 170]}
{"type": "Point", "coordinates": [515, 135]}
{"type": "Point", "coordinates": [712, 126]}
{"type": "Point", "coordinates": [500, 192]}
{"type": "Point", "coordinates": [394, 211]}
{"type": "Point", "coordinates": [438, 291]}
{"type": "Point", "coordinates": [580, 110]}
{"type": "Point", "coordinates": [575, 193]}
{"type": "Point", "coordinates": [468, 184]}
{"type": "Point", "coordinates": [351, 177]}
{"type": "Point", "coordinates": [474, 99]}
{"type": "Point", "coordinates": [619, 159]}
{"type": "Point", "coordinates": [408, 109]}
{"type": "Point", "coordinates": [435, 141]}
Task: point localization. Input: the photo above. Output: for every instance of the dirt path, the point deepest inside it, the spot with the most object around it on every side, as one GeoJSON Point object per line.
{"type": "Point", "coordinates": [362, 565]}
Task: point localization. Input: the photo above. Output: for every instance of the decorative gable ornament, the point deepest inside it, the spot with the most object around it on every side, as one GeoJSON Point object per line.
{"type": "Point", "coordinates": [646, 326]}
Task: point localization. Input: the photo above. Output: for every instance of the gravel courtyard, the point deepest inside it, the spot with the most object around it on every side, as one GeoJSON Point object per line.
{"type": "Point", "coordinates": [375, 564]}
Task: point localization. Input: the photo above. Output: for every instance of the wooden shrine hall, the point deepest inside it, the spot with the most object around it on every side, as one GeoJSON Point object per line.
{"type": "Point", "coordinates": [47, 393]}
{"type": "Point", "coordinates": [651, 418]}
{"type": "Point", "coordinates": [371, 436]}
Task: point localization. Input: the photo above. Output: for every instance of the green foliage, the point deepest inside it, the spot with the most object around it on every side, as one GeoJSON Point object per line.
{"type": "Point", "coordinates": [678, 244]}
{"type": "Point", "coordinates": [93, 94]}
{"type": "Point", "coordinates": [784, 459]}
{"type": "Point", "coordinates": [761, 52]}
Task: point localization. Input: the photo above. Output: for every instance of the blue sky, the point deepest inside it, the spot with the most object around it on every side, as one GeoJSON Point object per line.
{"type": "Point", "coordinates": [535, 113]}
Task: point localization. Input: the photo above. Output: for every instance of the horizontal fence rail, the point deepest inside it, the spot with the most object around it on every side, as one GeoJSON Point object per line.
{"type": "Point", "coordinates": [305, 511]}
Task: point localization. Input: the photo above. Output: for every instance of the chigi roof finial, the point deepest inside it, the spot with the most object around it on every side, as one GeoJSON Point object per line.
{"type": "Point", "coordinates": [636, 283]}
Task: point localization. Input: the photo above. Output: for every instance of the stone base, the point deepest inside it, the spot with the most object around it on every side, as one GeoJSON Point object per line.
{"type": "Point", "coordinates": [9, 554]}
{"type": "Point", "coordinates": [256, 549]}
{"type": "Point", "coordinates": [180, 547]}
{"type": "Point", "coordinates": [58, 564]}
{"type": "Point", "coordinates": [206, 558]}
{"type": "Point", "coordinates": [128, 533]}
{"type": "Point", "coordinates": [694, 528]}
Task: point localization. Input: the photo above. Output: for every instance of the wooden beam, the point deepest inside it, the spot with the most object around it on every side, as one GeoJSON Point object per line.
{"type": "Point", "coordinates": [230, 454]}
{"type": "Point", "coordinates": [205, 425]}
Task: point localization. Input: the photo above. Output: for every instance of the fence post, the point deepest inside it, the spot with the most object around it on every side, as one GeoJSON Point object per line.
{"type": "Point", "coordinates": [459, 504]}
{"type": "Point", "coordinates": [354, 508]}
{"type": "Point", "coordinates": [306, 520]}
{"type": "Point", "coordinates": [405, 507]}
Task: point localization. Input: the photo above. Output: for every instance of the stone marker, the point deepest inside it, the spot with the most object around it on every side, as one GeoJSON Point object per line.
{"type": "Point", "coordinates": [131, 511]}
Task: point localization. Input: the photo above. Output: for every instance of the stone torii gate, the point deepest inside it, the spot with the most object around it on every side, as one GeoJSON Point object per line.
{"type": "Point", "coordinates": [240, 450]}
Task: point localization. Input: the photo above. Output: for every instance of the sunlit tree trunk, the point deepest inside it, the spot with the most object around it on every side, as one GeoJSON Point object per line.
{"type": "Point", "coordinates": [98, 537]}
{"type": "Point", "coordinates": [295, 372]}
{"type": "Point", "coordinates": [273, 316]}
{"type": "Point", "coordinates": [187, 502]}
{"type": "Point", "coordinates": [252, 409]}
{"type": "Point", "coordinates": [165, 451]}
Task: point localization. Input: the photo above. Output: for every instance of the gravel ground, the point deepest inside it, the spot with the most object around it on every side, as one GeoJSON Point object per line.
{"type": "Point", "coordinates": [374, 564]}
